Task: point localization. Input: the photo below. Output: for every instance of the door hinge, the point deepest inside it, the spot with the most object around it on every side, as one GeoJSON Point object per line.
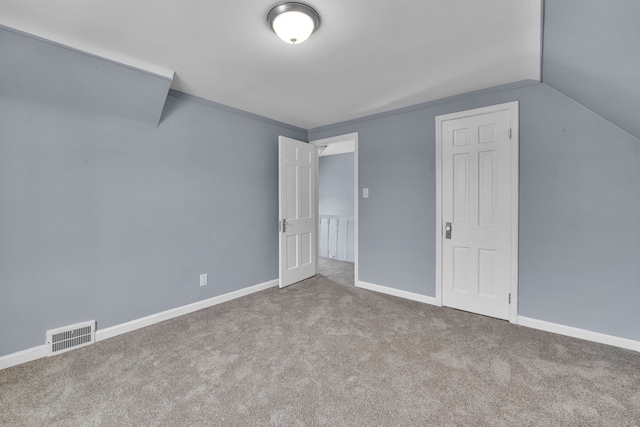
{"type": "Point", "coordinates": [509, 298]}
{"type": "Point", "coordinates": [510, 133]}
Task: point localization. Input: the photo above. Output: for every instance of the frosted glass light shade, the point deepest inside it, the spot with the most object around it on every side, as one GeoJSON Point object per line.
{"type": "Point", "coordinates": [293, 27]}
{"type": "Point", "coordinates": [293, 22]}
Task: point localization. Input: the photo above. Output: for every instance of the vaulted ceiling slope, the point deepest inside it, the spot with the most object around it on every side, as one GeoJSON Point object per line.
{"type": "Point", "coordinates": [596, 64]}
{"type": "Point", "coordinates": [368, 56]}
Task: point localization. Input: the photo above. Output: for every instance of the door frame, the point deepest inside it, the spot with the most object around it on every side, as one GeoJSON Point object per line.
{"type": "Point", "coordinates": [343, 144]}
{"type": "Point", "coordinates": [513, 107]}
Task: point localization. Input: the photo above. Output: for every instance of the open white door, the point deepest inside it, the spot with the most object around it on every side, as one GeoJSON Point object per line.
{"type": "Point", "coordinates": [297, 172]}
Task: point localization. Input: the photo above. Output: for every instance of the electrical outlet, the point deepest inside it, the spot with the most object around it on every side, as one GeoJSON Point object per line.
{"type": "Point", "coordinates": [203, 279]}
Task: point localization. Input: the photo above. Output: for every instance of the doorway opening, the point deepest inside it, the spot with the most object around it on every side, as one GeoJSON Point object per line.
{"type": "Point", "coordinates": [337, 226]}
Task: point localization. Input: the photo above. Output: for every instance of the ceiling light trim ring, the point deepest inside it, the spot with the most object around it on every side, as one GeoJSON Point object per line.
{"type": "Point", "coordinates": [293, 7]}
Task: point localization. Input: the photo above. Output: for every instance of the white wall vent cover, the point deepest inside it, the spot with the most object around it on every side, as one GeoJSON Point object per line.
{"type": "Point", "coordinates": [70, 337]}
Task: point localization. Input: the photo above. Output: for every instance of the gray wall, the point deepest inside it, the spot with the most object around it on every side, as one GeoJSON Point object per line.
{"type": "Point", "coordinates": [335, 185]}
{"type": "Point", "coordinates": [47, 73]}
{"type": "Point", "coordinates": [113, 219]}
{"type": "Point", "coordinates": [104, 216]}
{"type": "Point", "coordinates": [592, 54]}
{"type": "Point", "coordinates": [579, 182]}
{"type": "Point", "coordinates": [579, 176]}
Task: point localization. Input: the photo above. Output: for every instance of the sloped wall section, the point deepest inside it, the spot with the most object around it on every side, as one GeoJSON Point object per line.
{"type": "Point", "coordinates": [38, 70]}
{"type": "Point", "coordinates": [106, 216]}
{"type": "Point", "coordinates": [592, 54]}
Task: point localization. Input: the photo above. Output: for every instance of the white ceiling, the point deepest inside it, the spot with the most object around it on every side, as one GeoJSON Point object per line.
{"type": "Point", "coordinates": [368, 56]}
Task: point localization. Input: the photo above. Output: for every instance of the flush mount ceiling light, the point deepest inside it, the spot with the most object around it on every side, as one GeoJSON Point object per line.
{"type": "Point", "coordinates": [293, 22]}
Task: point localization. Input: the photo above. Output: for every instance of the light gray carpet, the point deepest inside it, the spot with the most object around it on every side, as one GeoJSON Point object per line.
{"type": "Point", "coordinates": [319, 353]}
{"type": "Point", "coordinates": [337, 271]}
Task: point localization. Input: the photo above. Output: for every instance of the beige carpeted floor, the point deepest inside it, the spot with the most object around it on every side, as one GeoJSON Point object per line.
{"type": "Point", "coordinates": [321, 353]}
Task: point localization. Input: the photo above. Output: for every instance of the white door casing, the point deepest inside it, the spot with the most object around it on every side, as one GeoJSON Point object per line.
{"type": "Point", "coordinates": [477, 174]}
{"type": "Point", "coordinates": [297, 177]}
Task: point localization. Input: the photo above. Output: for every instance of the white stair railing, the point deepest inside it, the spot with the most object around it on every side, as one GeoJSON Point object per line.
{"type": "Point", "coordinates": [337, 237]}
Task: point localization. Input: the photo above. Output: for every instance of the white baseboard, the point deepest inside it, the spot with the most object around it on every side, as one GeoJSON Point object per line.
{"type": "Point", "coordinates": [522, 321]}
{"type": "Point", "coordinates": [103, 334]}
{"type": "Point", "coordinates": [397, 293]}
{"type": "Point", "coordinates": [24, 356]}
{"type": "Point", "coordinates": [584, 334]}
{"type": "Point", "coordinates": [38, 352]}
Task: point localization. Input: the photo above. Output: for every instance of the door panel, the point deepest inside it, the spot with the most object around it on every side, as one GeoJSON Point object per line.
{"type": "Point", "coordinates": [477, 201]}
{"type": "Point", "coordinates": [297, 189]}
{"type": "Point", "coordinates": [486, 267]}
{"type": "Point", "coordinates": [461, 269]}
{"type": "Point", "coordinates": [461, 188]}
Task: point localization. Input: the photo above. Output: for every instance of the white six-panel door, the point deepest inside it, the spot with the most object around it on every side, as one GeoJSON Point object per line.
{"type": "Point", "coordinates": [477, 211]}
{"type": "Point", "coordinates": [297, 171]}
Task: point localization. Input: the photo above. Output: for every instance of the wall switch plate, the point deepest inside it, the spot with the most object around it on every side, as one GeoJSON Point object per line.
{"type": "Point", "coordinates": [365, 193]}
{"type": "Point", "coordinates": [203, 279]}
